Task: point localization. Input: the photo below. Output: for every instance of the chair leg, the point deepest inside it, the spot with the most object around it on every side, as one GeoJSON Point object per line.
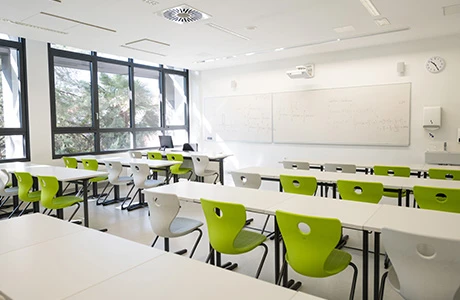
{"type": "Point", "coordinates": [15, 210]}
{"type": "Point", "coordinates": [283, 270]}
{"type": "Point", "coordinates": [190, 176]}
{"type": "Point", "coordinates": [46, 209]}
{"type": "Point", "coordinates": [155, 241]}
{"type": "Point", "coordinates": [107, 196]}
{"type": "Point", "coordinates": [353, 284]}
{"type": "Point", "coordinates": [126, 198]}
{"type": "Point", "coordinates": [382, 285]}
{"type": "Point", "coordinates": [217, 177]}
{"type": "Point", "coordinates": [4, 201]}
{"type": "Point", "coordinates": [265, 224]}
{"type": "Point", "coordinates": [65, 189]}
{"type": "Point", "coordinates": [101, 194]}
{"type": "Point", "coordinates": [211, 253]}
{"type": "Point", "coordinates": [262, 261]}
{"type": "Point", "coordinates": [24, 210]}
{"type": "Point", "coordinates": [132, 199]}
{"type": "Point", "coordinates": [73, 215]}
{"type": "Point", "coordinates": [197, 241]}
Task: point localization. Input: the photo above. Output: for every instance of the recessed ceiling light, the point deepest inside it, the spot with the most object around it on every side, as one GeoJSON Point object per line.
{"type": "Point", "coordinates": [344, 29]}
{"type": "Point", "coordinates": [151, 2]}
{"type": "Point", "coordinates": [382, 22]}
{"type": "Point", "coordinates": [33, 26]}
{"type": "Point", "coordinates": [223, 29]}
{"type": "Point", "coordinates": [251, 27]}
{"type": "Point", "coordinates": [451, 10]}
{"type": "Point", "coordinates": [77, 21]}
{"type": "Point", "coordinates": [250, 53]}
{"type": "Point", "coordinates": [279, 49]}
{"type": "Point", "coordinates": [370, 7]}
{"type": "Point", "coordinates": [338, 40]}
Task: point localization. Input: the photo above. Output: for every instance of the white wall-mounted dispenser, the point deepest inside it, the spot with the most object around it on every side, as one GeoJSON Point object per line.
{"type": "Point", "coordinates": [432, 117]}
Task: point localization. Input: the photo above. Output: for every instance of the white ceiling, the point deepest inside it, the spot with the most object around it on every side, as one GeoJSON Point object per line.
{"type": "Point", "coordinates": [280, 24]}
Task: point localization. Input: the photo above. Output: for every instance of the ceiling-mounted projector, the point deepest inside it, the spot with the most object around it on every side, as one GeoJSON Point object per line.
{"type": "Point", "coordinates": [307, 71]}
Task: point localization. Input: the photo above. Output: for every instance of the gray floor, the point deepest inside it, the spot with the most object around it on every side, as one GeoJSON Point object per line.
{"type": "Point", "coordinates": [135, 226]}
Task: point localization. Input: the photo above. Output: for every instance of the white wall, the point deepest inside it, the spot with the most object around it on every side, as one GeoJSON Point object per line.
{"type": "Point", "coordinates": [368, 66]}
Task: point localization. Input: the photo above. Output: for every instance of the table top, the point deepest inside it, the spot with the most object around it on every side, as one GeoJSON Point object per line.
{"type": "Point", "coordinates": [18, 166]}
{"type": "Point", "coordinates": [152, 163]}
{"type": "Point", "coordinates": [63, 266]}
{"type": "Point", "coordinates": [32, 229]}
{"type": "Point", "coordinates": [183, 278]}
{"type": "Point", "coordinates": [352, 214]}
{"type": "Point", "coordinates": [418, 221]}
{"type": "Point", "coordinates": [332, 177]}
{"type": "Point", "coordinates": [303, 296]}
{"type": "Point", "coordinates": [253, 200]}
{"type": "Point", "coordinates": [188, 154]}
{"type": "Point", "coordinates": [62, 173]}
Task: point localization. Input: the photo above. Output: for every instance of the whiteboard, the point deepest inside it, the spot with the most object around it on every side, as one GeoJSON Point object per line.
{"type": "Point", "coordinates": [239, 118]}
{"type": "Point", "coordinates": [370, 115]}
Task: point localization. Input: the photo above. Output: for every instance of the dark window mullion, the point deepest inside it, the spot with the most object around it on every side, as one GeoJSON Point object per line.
{"type": "Point", "coordinates": [132, 103]}
{"type": "Point", "coordinates": [95, 103]}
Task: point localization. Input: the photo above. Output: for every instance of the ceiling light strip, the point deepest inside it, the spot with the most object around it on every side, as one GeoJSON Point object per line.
{"type": "Point", "coordinates": [78, 22]}
{"type": "Point", "coordinates": [223, 29]}
{"type": "Point", "coordinates": [370, 7]}
{"type": "Point", "coordinates": [33, 26]}
{"type": "Point", "coordinates": [148, 40]}
{"type": "Point", "coordinates": [141, 50]}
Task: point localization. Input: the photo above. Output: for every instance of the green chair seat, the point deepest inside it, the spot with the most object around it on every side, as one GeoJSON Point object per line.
{"type": "Point", "coordinates": [64, 201]}
{"type": "Point", "coordinates": [180, 171]}
{"type": "Point", "coordinates": [337, 261]}
{"type": "Point", "coordinates": [25, 184]}
{"type": "Point", "coordinates": [98, 179]}
{"type": "Point", "coordinates": [394, 194]}
{"type": "Point", "coordinates": [247, 240]}
{"type": "Point", "coordinates": [34, 196]}
{"type": "Point", "coordinates": [396, 171]}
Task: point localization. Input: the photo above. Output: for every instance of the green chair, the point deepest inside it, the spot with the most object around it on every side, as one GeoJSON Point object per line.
{"type": "Point", "coordinates": [302, 185]}
{"type": "Point", "coordinates": [155, 155]}
{"type": "Point", "coordinates": [442, 199]}
{"type": "Point", "coordinates": [225, 223]}
{"type": "Point", "coordinates": [91, 164]}
{"type": "Point", "coordinates": [49, 188]}
{"type": "Point", "coordinates": [310, 244]}
{"type": "Point", "coordinates": [25, 184]}
{"type": "Point", "coordinates": [397, 171]}
{"type": "Point", "coordinates": [370, 192]}
{"type": "Point", "coordinates": [444, 174]}
{"type": "Point", "coordinates": [71, 163]}
{"type": "Point", "coordinates": [176, 169]}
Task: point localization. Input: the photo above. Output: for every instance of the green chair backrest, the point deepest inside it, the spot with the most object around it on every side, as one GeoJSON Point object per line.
{"type": "Point", "coordinates": [25, 184]}
{"type": "Point", "coordinates": [90, 164]}
{"type": "Point", "coordinates": [175, 157]}
{"type": "Point", "coordinates": [303, 185]}
{"type": "Point", "coordinates": [70, 162]}
{"type": "Point", "coordinates": [310, 244]}
{"type": "Point", "coordinates": [441, 199]}
{"type": "Point", "coordinates": [154, 155]}
{"type": "Point", "coordinates": [223, 227]}
{"type": "Point", "coordinates": [392, 171]}
{"type": "Point", "coordinates": [370, 192]}
{"type": "Point", "coordinates": [444, 174]}
{"type": "Point", "coordinates": [49, 187]}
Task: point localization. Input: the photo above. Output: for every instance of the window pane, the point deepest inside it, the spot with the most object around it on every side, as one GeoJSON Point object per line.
{"type": "Point", "coordinates": [147, 96]}
{"type": "Point", "coordinates": [72, 80]}
{"type": "Point", "coordinates": [4, 36]}
{"type": "Point", "coordinates": [10, 98]}
{"type": "Point", "coordinates": [111, 56]}
{"type": "Point", "coordinates": [175, 99]}
{"type": "Point", "coordinates": [174, 68]}
{"type": "Point", "coordinates": [71, 49]}
{"type": "Point", "coordinates": [115, 141]}
{"type": "Point", "coordinates": [12, 146]}
{"type": "Point", "coordinates": [147, 139]}
{"type": "Point", "coordinates": [114, 100]}
{"type": "Point", "coordinates": [73, 143]}
{"type": "Point", "coordinates": [147, 63]}
{"type": "Point", "coordinates": [179, 137]}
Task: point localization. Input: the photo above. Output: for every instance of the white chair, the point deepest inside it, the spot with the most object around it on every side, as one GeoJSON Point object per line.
{"type": "Point", "coordinates": [343, 168]}
{"type": "Point", "coordinates": [200, 163]}
{"type": "Point", "coordinates": [6, 193]}
{"type": "Point", "coordinates": [114, 168]}
{"type": "Point", "coordinates": [296, 165]}
{"type": "Point", "coordinates": [247, 180]}
{"type": "Point", "coordinates": [165, 223]}
{"type": "Point", "coordinates": [422, 267]}
{"type": "Point", "coordinates": [141, 172]}
{"type": "Point", "coordinates": [135, 154]}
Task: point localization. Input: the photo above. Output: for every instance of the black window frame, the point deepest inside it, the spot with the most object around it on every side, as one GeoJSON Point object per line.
{"type": "Point", "coordinates": [20, 46]}
{"type": "Point", "coordinates": [95, 129]}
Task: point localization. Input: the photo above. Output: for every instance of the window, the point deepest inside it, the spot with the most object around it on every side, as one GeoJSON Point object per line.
{"type": "Point", "coordinates": [14, 135]}
{"type": "Point", "coordinates": [101, 104]}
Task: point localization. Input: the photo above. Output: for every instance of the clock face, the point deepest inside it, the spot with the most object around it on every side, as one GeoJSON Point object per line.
{"type": "Point", "coordinates": [435, 64]}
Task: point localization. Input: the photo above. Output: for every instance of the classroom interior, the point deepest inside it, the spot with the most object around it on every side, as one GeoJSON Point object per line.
{"type": "Point", "coordinates": [226, 82]}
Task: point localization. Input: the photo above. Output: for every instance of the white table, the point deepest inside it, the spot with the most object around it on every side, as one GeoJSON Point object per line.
{"type": "Point", "coordinates": [417, 221]}
{"type": "Point", "coordinates": [65, 175]}
{"type": "Point", "coordinates": [175, 277]}
{"type": "Point", "coordinates": [28, 230]}
{"type": "Point", "coordinates": [389, 182]}
{"type": "Point", "coordinates": [65, 261]}
{"type": "Point", "coordinates": [352, 214]}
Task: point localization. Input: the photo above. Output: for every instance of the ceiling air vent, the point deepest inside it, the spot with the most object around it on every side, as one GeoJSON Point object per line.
{"type": "Point", "coordinates": [184, 14]}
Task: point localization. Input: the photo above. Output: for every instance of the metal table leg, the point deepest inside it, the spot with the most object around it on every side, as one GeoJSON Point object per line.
{"type": "Point", "coordinates": [85, 202]}
{"type": "Point", "coordinates": [221, 170]}
{"type": "Point", "coordinates": [400, 197]}
{"type": "Point", "coordinates": [277, 251]}
{"type": "Point", "coordinates": [376, 264]}
{"type": "Point", "coordinates": [365, 264]}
